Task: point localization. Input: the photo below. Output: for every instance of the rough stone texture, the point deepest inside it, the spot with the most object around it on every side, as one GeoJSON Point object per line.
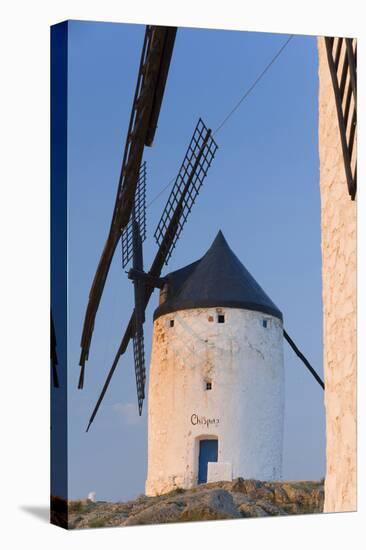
{"type": "Point", "coordinates": [338, 220]}
{"type": "Point", "coordinates": [244, 409]}
{"type": "Point", "coordinates": [224, 500]}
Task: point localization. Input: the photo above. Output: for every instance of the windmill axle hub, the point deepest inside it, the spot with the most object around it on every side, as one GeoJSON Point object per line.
{"type": "Point", "coordinates": [149, 280]}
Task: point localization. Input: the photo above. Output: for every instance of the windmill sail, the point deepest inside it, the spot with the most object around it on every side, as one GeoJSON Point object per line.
{"type": "Point", "coordinates": [303, 359]}
{"type": "Point", "coordinates": [139, 359]}
{"type": "Point", "coordinates": [139, 317]}
{"type": "Point", "coordinates": [201, 151]}
{"type": "Point", "coordinates": [153, 71]}
{"type": "Point", "coordinates": [139, 215]}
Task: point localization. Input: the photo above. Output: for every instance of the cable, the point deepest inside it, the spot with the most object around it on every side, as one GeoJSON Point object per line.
{"type": "Point", "coordinates": [251, 88]}
{"type": "Point", "coordinates": [235, 108]}
{"type": "Point", "coordinates": [161, 191]}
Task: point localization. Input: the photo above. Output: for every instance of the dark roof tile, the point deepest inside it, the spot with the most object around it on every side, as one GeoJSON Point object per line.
{"type": "Point", "coordinates": [218, 279]}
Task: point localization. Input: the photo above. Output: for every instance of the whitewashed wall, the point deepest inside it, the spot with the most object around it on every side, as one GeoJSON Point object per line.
{"type": "Point", "coordinates": [244, 409]}
{"type": "Point", "coordinates": [338, 220]}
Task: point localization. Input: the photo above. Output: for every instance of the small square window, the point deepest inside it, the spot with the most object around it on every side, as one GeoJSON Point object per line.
{"type": "Point", "coordinates": [171, 323]}
{"type": "Point", "coordinates": [210, 319]}
{"type": "Point", "coordinates": [265, 323]}
{"type": "Point", "coordinates": [208, 385]}
{"type": "Point", "coordinates": [221, 318]}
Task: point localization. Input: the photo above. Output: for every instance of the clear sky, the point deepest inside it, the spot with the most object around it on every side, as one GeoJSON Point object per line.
{"type": "Point", "coordinates": [262, 191]}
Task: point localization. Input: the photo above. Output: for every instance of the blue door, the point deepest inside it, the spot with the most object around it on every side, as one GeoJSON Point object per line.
{"type": "Point", "coordinates": [208, 453]}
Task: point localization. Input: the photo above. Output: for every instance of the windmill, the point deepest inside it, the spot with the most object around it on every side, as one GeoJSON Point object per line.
{"type": "Point", "coordinates": [129, 216]}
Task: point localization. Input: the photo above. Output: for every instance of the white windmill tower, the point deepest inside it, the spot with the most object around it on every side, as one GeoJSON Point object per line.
{"type": "Point", "coordinates": [216, 389]}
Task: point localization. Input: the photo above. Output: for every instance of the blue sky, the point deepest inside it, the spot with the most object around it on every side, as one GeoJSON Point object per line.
{"type": "Point", "coordinates": [262, 191]}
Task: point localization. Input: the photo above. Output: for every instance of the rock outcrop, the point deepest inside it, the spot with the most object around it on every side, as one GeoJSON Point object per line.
{"type": "Point", "coordinates": [240, 498]}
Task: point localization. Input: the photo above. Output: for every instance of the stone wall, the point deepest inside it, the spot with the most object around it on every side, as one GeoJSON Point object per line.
{"type": "Point", "coordinates": [338, 221]}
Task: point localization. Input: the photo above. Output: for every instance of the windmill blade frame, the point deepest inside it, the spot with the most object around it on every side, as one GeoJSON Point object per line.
{"type": "Point", "coordinates": [198, 158]}
{"type": "Point", "coordinates": [177, 213]}
{"type": "Point", "coordinates": [139, 360]}
{"type": "Point", "coordinates": [139, 313]}
{"type": "Point", "coordinates": [139, 215]}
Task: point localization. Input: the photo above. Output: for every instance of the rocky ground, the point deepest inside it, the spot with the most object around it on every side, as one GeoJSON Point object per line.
{"type": "Point", "coordinates": [223, 500]}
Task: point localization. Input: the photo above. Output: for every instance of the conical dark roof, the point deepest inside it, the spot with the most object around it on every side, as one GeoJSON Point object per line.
{"type": "Point", "coordinates": [218, 279]}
